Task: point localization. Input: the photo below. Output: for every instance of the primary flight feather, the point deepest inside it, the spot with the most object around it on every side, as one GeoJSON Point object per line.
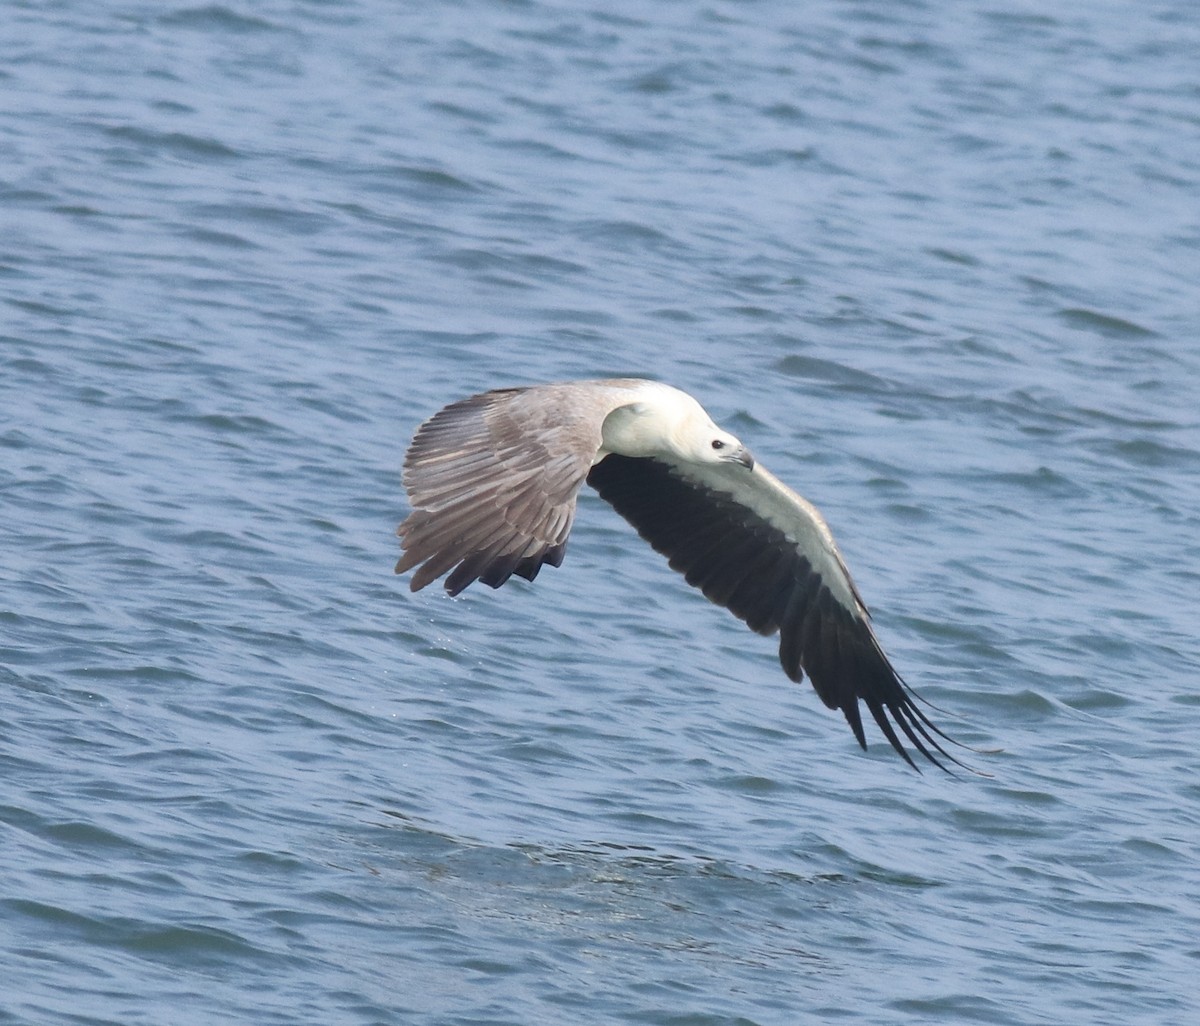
{"type": "Point", "coordinates": [493, 481]}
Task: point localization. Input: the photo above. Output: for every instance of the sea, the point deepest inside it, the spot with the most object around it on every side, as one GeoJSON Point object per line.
{"type": "Point", "coordinates": [937, 265]}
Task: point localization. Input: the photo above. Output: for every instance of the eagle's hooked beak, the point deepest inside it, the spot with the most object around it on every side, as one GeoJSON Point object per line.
{"type": "Point", "coordinates": [741, 455]}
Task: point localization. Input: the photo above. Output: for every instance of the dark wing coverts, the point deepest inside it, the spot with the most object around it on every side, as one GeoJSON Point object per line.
{"type": "Point", "coordinates": [744, 563]}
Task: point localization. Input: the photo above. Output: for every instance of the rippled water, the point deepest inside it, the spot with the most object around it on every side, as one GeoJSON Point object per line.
{"type": "Point", "coordinates": [936, 265]}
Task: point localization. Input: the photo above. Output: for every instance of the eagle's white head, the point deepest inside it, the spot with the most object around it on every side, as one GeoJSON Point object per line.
{"type": "Point", "coordinates": [665, 422]}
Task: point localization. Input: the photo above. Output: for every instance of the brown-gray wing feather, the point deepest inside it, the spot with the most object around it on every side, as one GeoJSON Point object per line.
{"type": "Point", "coordinates": [744, 563]}
{"type": "Point", "coordinates": [493, 481]}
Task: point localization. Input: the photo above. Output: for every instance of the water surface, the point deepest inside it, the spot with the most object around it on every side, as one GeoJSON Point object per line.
{"type": "Point", "coordinates": [936, 267]}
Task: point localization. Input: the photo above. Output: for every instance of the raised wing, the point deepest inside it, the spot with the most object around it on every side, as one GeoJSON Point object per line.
{"type": "Point", "coordinates": [493, 481]}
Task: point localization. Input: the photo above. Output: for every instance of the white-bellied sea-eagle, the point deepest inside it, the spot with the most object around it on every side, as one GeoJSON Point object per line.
{"type": "Point", "coordinates": [493, 481]}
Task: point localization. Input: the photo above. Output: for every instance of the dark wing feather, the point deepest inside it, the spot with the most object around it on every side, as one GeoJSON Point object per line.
{"type": "Point", "coordinates": [493, 481]}
{"type": "Point", "coordinates": [741, 561]}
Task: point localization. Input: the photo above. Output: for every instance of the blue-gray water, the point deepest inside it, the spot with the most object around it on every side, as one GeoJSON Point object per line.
{"type": "Point", "coordinates": [937, 264]}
